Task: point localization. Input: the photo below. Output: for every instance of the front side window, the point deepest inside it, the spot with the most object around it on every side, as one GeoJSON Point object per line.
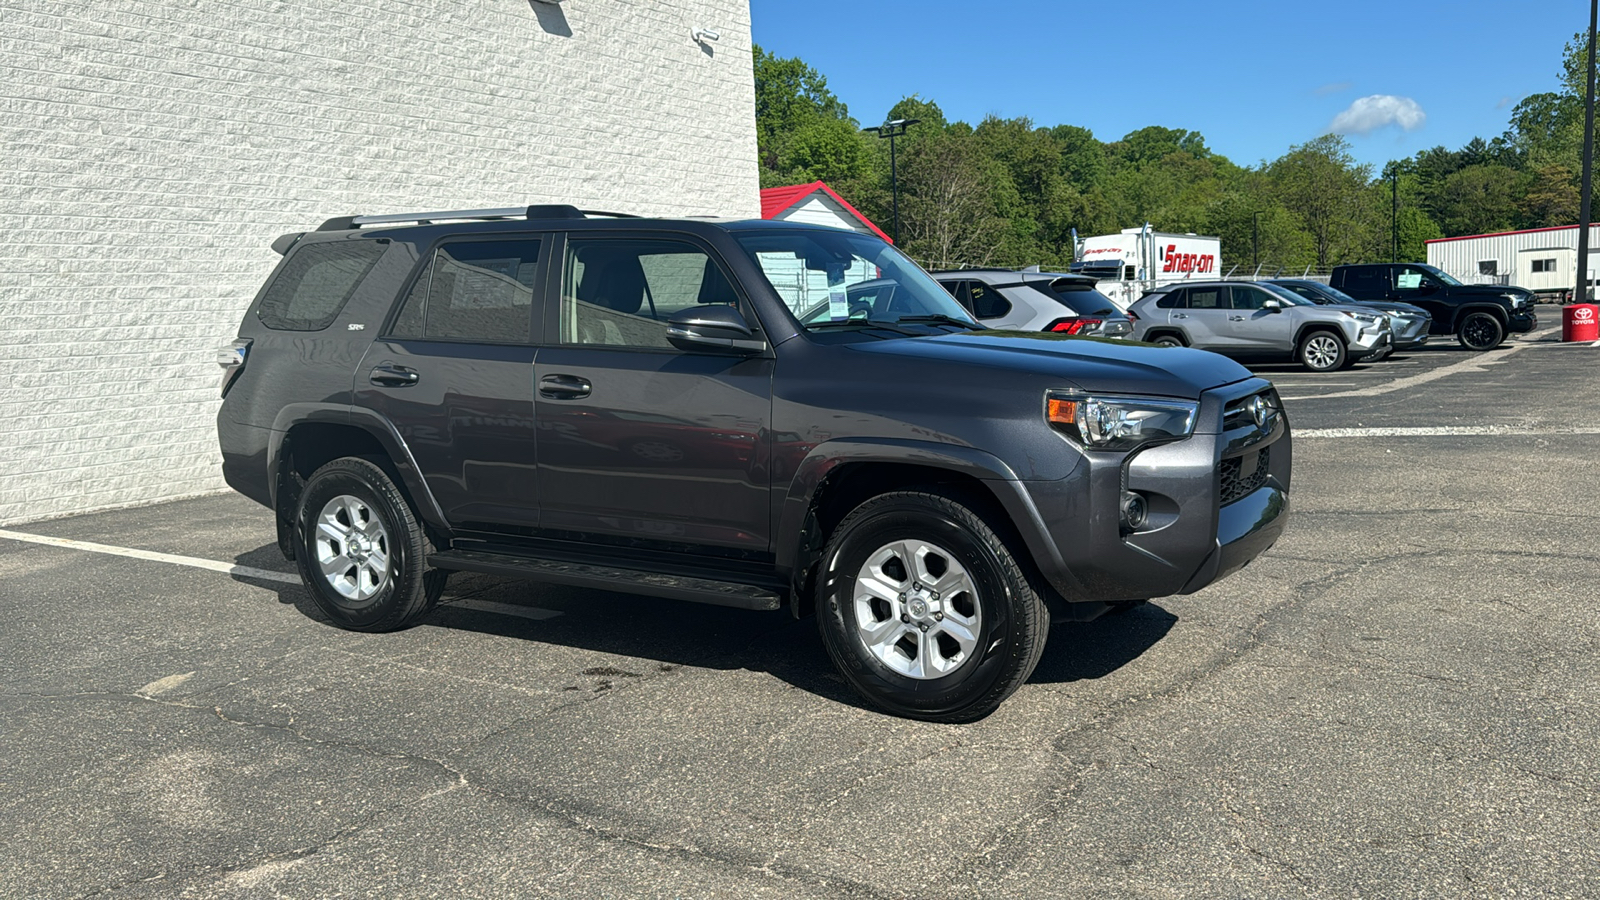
{"type": "Point", "coordinates": [1412, 278]}
{"type": "Point", "coordinates": [620, 292]}
{"type": "Point", "coordinates": [480, 291]}
{"type": "Point", "coordinates": [840, 279]}
{"type": "Point", "coordinates": [315, 282]}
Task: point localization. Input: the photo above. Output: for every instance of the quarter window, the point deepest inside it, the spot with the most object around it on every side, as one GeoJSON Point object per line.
{"type": "Point", "coordinates": [1173, 299]}
{"type": "Point", "coordinates": [620, 293]}
{"type": "Point", "coordinates": [480, 291]}
{"type": "Point", "coordinates": [987, 302]}
{"type": "Point", "coordinates": [316, 282]}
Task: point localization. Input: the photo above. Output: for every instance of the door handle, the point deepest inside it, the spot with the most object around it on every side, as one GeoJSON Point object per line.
{"type": "Point", "coordinates": [1236, 318]}
{"type": "Point", "coordinates": [1180, 315]}
{"type": "Point", "coordinates": [564, 387]}
{"type": "Point", "coordinates": [393, 376]}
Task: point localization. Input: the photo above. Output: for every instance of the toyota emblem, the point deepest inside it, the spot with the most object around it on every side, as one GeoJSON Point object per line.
{"type": "Point", "coordinates": [1583, 313]}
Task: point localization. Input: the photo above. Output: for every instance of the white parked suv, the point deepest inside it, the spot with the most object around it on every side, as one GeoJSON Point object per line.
{"type": "Point", "coordinates": [1263, 321]}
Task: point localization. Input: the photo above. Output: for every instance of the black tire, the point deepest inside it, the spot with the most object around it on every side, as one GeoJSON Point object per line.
{"type": "Point", "coordinates": [1011, 619]}
{"type": "Point", "coordinates": [1168, 340]}
{"type": "Point", "coordinates": [407, 590]}
{"type": "Point", "coordinates": [1481, 331]}
{"type": "Point", "coordinates": [1322, 351]}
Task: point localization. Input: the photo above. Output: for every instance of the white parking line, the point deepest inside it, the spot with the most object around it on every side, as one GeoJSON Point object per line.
{"type": "Point", "coordinates": [1442, 431]}
{"type": "Point", "coordinates": [190, 561]}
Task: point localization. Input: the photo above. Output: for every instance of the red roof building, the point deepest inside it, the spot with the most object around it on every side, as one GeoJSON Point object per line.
{"type": "Point", "coordinates": [815, 204]}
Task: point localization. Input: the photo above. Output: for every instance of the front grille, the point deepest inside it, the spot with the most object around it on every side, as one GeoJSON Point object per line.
{"type": "Point", "coordinates": [1237, 413]}
{"type": "Point", "coordinates": [1235, 483]}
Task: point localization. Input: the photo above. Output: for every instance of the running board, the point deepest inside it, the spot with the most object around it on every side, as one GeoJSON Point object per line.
{"type": "Point", "coordinates": [608, 578]}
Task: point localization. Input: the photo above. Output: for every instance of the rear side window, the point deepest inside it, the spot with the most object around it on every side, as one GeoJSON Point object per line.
{"type": "Point", "coordinates": [1368, 281]}
{"type": "Point", "coordinates": [1208, 298]}
{"type": "Point", "coordinates": [315, 283]}
{"type": "Point", "coordinates": [987, 302]}
{"type": "Point", "coordinates": [479, 291]}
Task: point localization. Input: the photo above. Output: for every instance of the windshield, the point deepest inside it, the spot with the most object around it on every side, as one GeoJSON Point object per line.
{"type": "Point", "coordinates": [1440, 274]}
{"type": "Point", "coordinates": [1278, 290]}
{"type": "Point", "coordinates": [842, 279]}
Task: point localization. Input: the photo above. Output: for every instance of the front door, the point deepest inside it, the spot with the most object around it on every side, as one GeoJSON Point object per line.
{"type": "Point", "coordinates": [454, 374]}
{"type": "Point", "coordinates": [640, 441]}
{"type": "Point", "coordinates": [1251, 326]}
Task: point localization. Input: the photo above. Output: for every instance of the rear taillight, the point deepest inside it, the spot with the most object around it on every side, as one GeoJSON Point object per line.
{"type": "Point", "coordinates": [1131, 316]}
{"type": "Point", "coordinates": [231, 358]}
{"type": "Point", "coordinates": [1074, 326]}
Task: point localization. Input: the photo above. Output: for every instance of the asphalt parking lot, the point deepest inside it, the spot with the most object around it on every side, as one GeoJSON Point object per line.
{"type": "Point", "coordinates": [1401, 699]}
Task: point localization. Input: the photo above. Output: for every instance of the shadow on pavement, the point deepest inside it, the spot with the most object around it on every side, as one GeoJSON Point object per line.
{"type": "Point", "coordinates": [679, 633]}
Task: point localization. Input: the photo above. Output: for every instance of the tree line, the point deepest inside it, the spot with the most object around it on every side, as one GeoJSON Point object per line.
{"type": "Point", "coordinates": [1009, 193]}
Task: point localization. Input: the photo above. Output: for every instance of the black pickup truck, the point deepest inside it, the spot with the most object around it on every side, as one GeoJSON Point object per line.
{"type": "Point", "coordinates": [1479, 315]}
{"type": "Point", "coordinates": [713, 411]}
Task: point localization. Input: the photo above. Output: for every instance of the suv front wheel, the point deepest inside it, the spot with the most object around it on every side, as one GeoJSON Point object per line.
{"type": "Point", "coordinates": [360, 549]}
{"type": "Point", "coordinates": [1321, 351]}
{"type": "Point", "coordinates": [925, 609]}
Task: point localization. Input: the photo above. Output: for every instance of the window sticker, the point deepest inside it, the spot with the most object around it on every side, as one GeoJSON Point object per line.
{"type": "Point", "coordinates": [1409, 281]}
{"type": "Point", "coordinates": [838, 302]}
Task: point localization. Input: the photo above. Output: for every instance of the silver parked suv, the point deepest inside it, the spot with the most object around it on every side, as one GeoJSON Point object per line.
{"type": "Point", "coordinates": [1006, 300]}
{"type": "Point", "coordinates": [1260, 321]}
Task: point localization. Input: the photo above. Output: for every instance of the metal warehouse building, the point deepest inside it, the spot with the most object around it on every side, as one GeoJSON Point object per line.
{"type": "Point", "coordinates": [1543, 260]}
{"type": "Point", "coordinates": [154, 149]}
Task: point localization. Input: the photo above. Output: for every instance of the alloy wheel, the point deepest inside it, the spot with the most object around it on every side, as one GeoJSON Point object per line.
{"type": "Point", "coordinates": [352, 548]}
{"type": "Point", "coordinates": [917, 609]}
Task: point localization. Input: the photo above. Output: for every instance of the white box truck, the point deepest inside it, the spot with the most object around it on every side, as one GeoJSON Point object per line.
{"type": "Point", "coordinates": [1138, 260]}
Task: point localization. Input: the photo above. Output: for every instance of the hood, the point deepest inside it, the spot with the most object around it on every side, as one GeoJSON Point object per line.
{"type": "Point", "coordinates": [1093, 365]}
{"type": "Point", "coordinates": [1488, 290]}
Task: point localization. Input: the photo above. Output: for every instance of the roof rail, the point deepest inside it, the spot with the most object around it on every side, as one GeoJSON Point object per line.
{"type": "Point", "coordinates": [537, 211]}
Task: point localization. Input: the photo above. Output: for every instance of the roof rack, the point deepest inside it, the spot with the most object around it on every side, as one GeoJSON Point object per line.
{"type": "Point", "coordinates": [545, 211]}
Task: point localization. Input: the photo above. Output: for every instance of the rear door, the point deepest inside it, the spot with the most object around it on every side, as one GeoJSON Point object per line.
{"type": "Point", "coordinates": [1205, 319]}
{"type": "Point", "coordinates": [454, 374]}
{"type": "Point", "coordinates": [638, 440]}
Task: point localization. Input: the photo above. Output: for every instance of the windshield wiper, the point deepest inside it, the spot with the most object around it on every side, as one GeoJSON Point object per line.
{"type": "Point", "coordinates": [882, 324]}
{"type": "Point", "coordinates": [941, 319]}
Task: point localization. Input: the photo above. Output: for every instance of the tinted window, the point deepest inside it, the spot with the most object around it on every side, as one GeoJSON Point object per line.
{"type": "Point", "coordinates": [1412, 278]}
{"type": "Point", "coordinates": [987, 302]}
{"type": "Point", "coordinates": [1214, 297]}
{"type": "Point", "coordinates": [621, 292]}
{"type": "Point", "coordinates": [1172, 300]}
{"type": "Point", "coordinates": [473, 291]}
{"type": "Point", "coordinates": [1368, 282]}
{"type": "Point", "coordinates": [1248, 297]}
{"type": "Point", "coordinates": [315, 282]}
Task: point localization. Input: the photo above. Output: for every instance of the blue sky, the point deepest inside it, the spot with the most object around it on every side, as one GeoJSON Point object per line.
{"type": "Point", "coordinates": [1253, 77]}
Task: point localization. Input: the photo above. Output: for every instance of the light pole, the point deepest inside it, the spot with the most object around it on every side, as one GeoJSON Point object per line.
{"type": "Point", "coordinates": [1255, 242]}
{"type": "Point", "coordinates": [1394, 211]}
{"type": "Point", "coordinates": [892, 130]}
{"type": "Point", "coordinates": [1582, 295]}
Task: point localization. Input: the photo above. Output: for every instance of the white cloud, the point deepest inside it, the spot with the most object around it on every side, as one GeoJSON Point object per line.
{"type": "Point", "coordinates": [1378, 111]}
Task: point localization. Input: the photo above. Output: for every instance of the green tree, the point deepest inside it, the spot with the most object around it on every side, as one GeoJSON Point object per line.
{"type": "Point", "coordinates": [1478, 199]}
{"type": "Point", "coordinates": [1320, 183]}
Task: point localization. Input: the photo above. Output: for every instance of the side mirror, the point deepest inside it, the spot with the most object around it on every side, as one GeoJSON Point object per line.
{"type": "Point", "coordinates": [1272, 304]}
{"type": "Point", "coordinates": [715, 328]}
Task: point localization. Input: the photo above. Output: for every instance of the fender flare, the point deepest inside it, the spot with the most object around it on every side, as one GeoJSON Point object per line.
{"type": "Point", "coordinates": [378, 427]}
{"type": "Point", "coordinates": [1000, 478]}
{"type": "Point", "coordinates": [1467, 309]}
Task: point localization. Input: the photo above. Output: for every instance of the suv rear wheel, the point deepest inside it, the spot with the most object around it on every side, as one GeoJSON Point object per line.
{"type": "Point", "coordinates": [360, 549]}
{"type": "Point", "coordinates": [1481, 331]}
{"type": "Point", "coordinates": [925, 609]}
{"type": "Point", "coordinates": [1321, 351]}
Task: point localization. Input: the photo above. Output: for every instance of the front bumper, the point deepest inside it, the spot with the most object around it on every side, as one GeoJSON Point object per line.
{"type": "Point", "coordinates": [1368, 340]}
{"type": "Point", "coordinates": [1522, 321]}
{"type": "Point", "coordinates": [1411, 332]}
{"type": "Point", "coordinates": [1216, 501]}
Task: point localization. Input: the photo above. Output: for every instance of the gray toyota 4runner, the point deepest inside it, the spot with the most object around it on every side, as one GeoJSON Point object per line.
{"type": "Point", "coordinates": [697, 410]}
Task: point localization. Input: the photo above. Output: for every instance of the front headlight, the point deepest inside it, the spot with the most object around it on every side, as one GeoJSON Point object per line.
{"type": "Point", "coordinates": [1119, 423]}
{"type": "Point", "coordinates": [1516, 299]}
{"type": "Point", "coordinates": [1363, 318]}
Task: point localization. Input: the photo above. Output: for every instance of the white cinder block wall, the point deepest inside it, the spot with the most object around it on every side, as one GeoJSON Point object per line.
{"type": "Point", "coordinates": [152, 149]}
